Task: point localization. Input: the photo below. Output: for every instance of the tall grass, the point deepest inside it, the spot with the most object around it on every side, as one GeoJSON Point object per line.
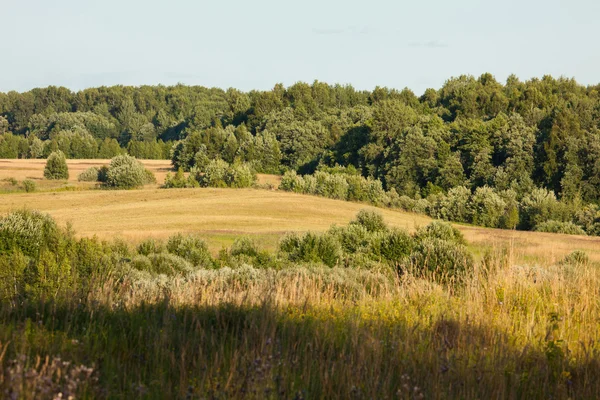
{"type": "Point", "coordinates": [312, 332]}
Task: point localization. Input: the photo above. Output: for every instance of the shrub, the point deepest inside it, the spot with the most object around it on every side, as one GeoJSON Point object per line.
{"type": "Point", "coordinates": [487, 207]}
{"type": "Point", "coordinates": [292, 182]}
{"type": "Point", "coordinates": [28, 231]}
{"type": "Point", "coordinates": [310, 185]}
{"type": "Point", "coordinates": [539, 206]}
{"type": "Point", "coordinates": [215, 174]}
{"type": "Point", "coordinates": [375, 193]}
{"type": "Point", "coordinates": [180, 180]}
{"type": "Point", "coordinates": [89, 175]}
{"type": "Point", "coordinates": [576, 257]}
{"type": "Point", "coordinates": [125, 172]}
{"type": "Point", "coordinates": [150, 246]}
{"type": "Point", "coordinates": [453, 206]}
{"type": "Point", "coordinates": [12, 181]}
{"type": "Point", "coordinates": [168, 264]}
{"type": "Point", "coordinates": [332, 186]}
{"type": "Point", "coordinates": [567, 228]}
{"type": "Point", "coordinates": [190, 248]}
{"type": "Point", "coordinates": [244, 246]}
{"type": "Point", "coordinates": [440, 230]}
{"type": "Point", "coordinates": [240, 176]}
{"type": "Point", "coordinates": [442, 260]}
{"type": "Point", "coordinates": [353, 238]}
{"type": "Point", "coordinates": [394, 245]}
{"type": "Point", "coordinates": [29, 186]}
{"type": "Point", "coordinates": [56, 166]}
{"type": "Point", "coordinates": [311, 247]}
{"type": "Point", "coordinates": [370, 219]}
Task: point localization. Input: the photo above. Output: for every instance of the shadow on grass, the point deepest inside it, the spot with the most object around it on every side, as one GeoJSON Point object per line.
{"type": "Point", "coordinates": [233, 351]}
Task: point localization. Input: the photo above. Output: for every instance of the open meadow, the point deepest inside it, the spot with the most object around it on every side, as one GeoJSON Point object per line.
{"type": "Point", "coordinates": [244, 321]}
{"type": "Point", "coordinates": [221, 215]}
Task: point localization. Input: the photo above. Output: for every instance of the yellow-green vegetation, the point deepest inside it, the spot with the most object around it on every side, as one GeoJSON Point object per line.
{"type": "Point", "coordinates": [251, 293]}
{"type": "Point", "coordinates": [94, 319]}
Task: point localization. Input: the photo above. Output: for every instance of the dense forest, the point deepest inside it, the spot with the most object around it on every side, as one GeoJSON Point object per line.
{"type": "Point", "coordinates": [541, 136]}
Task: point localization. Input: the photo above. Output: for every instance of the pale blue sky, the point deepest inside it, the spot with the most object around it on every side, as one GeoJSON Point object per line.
{"type": "Point", "coordinates": [255, 44]}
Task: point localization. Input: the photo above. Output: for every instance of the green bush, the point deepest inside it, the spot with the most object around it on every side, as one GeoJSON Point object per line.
{"type": "Point", "coordinates": [567, 228]}
{"type": "Point", "coordinates": [180, 180]}
{"type": "Point", "coordinates": [168, 264]}
{"type": "Point", "coordinates": [150, 246]}
{"type": "Point", "coordinates": [540, 206]}
{"type": "Point", "coordinates": [240, 176]}
{"type": "Point", "coordinates": [244, 246]}
{"type": "Point", "coordinates": [29, 186]}
{"type": "Point", "coordinates": [454, 206]}
{"type": "Point", "coordinates": [215, 174]}
{"type": "Point", "coordinates": [292, 182]}
{"type": "Point", "coordinates": [125, 172]}
{"type": "Point", "coordinates": [441, 230]}
{"type": "Point", "coordinates": [28, 231]}
{"type": "Point", "coordinates": [191, 248]}
{"type": "Point", "coordinates": [393, 245]}
{"type": "Point", "coordinates": [311, 247]}
{"type": "Point", "coordinates": [371, 220]}
{"type": "Point", "coordinates": [441, 260]}
{"type": "Point", "coordinates": [487, 207]}
{"type": "Point", "coordinates": [577, 257]}
{"type": "Point", "coordinates": [89, 175]}
{"type": "Point", "coordinates": [56, 166]}
{"type": "Point", "coordinates": [353, 238]}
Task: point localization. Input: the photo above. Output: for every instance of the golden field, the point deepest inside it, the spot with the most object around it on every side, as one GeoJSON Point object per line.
{"type": "Point", "coordinates": [518, 326]}
{"type": "Point", "coordinates": [220, 215]}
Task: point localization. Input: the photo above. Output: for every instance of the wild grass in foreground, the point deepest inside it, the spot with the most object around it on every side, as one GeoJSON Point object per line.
{"type": "Point", "coordinates": [244, 328]}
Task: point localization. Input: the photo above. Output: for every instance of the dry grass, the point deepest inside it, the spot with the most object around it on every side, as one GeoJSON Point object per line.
{"type": "Point", "coordinates": [220, 215]}
{"type": "Point", "coordinates": [34, 169]}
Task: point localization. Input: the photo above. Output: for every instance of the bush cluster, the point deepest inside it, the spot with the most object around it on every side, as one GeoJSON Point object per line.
{"type": "Point", "coordinates": [38, 259]}
{"type": "Point", "coordinates": [89, 175]}
{"type": "Point", "coordinates": [56, 166]}
{"type": "Point", "coordinates": [125, 172]}
{"type": "Point", "coordinates": [339, 186]}
{"type": "Point", "coordinates": [437, 251]}
{"type": "Point", "coordinates": [215, 173]}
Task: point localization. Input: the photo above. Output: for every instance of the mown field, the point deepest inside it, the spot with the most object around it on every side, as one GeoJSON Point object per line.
{"type": "Point", "coordinates": [520, 324]}
{"type": "Point", "coordinates": [221, 215]}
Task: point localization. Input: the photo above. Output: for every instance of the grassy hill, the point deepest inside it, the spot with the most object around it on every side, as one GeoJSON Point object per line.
{"type": "Point", "coordinates": [220, 215]}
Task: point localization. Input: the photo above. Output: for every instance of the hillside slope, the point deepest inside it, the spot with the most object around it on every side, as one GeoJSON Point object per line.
{"type": "Point", "coordinates": [220, 215]}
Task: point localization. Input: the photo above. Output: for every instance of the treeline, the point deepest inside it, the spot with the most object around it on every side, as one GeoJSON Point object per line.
{"type": "Point", "coordinates": [472, 132]}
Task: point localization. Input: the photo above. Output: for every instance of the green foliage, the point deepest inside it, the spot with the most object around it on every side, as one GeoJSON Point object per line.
{"type": "Point", "coordinates": [125, 172]}
{"type": "Point", "coordinates": [439, 259]}
{"type": "Point", "coordinates": [29, 186]}
{"type": "Point", "coordinates": [371, 220]}
{"type": "Point", "coordinates": [180, 180]}
{"type": "Point", "coordinates": [441, 230]}
{"type": "Point", "coordinates": [240, 176]}
{"type": "Point", "coordinates": [215, 174]}
{"type": "Point", "coordinates": [191, 248]}
{"type": "Point", "coordinates": [577, 257]}
{"type": "Point", "coordinates": [56, 166]}
{"type": "Point", "coordinates": [567, 228]}
{"type": "Point", "coordinates": [150, 246]}
{"type": "Point", "coordinates": [89, 175]}
{"type": "Point", "coordinates": [311, 247]}
{"type": "Point", "coordinates": [30, 232]}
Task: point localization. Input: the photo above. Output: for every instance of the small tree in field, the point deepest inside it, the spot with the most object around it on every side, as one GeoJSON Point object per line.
{"type": "Point", "coordinates": [56, 166]}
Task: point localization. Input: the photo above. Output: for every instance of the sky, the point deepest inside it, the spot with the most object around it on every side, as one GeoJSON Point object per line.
{"type": "Point", "coordinates": [256, 44]}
